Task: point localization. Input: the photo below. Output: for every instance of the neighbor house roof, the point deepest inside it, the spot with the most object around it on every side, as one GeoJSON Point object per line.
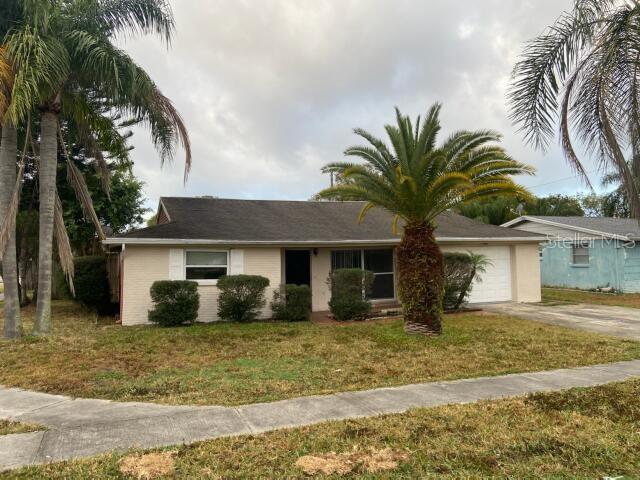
{"type": "Point", "coordinates": [621, 228]}
{"type": "Point", "coordinates": [213, 220]}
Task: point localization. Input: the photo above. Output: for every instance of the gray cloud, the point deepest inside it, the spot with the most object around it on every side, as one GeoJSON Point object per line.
{"type": "Point", "coordinates": [271, 89]}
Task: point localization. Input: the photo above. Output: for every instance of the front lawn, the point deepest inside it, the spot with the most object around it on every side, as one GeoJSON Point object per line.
{"type": "Point", "coordinates": [581, 433]}
{"type": "Point", "coordinates": [554, 295]}
{"type": "Point", "coordinates": [242, 363]}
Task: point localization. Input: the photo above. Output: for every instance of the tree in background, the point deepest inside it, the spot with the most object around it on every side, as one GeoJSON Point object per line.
{"type": "Point", "coordinates": [555, 205]}
{"type": "Point", "coordinates": [63, 58]}
{"type": "Point", "coordinates": [416, 181]}
{"type": "Point", "coordinates": [498, 210]}
{"type": "Point", "coordinates": [583, 74]}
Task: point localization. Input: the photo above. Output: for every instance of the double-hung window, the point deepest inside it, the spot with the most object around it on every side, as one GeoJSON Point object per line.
{"type": "Point", "coordinates": [580, 253]}
{"type": "Point", "coordinates": [202, 265]}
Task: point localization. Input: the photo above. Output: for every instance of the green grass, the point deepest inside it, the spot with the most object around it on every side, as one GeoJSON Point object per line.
{"type": "Point", "coordinates": [559, 296]}
{"type": "Point", "coordinates": [7, 427]}
{"type": "Point", "coordinates": [581, 433]}
{"type": "Point", "coordinates": [243, 363]}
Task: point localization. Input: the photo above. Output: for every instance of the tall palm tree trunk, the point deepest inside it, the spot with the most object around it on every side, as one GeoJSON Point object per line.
{"type": "Point", "coordinates": [47, 179]}
{"type": "Point", "coordinates": [421, 279]}
{"type": "Point", "coordinates": [8, 150]}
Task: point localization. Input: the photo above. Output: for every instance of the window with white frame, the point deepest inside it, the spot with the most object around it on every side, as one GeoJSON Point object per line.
{"type": "Point", "coordinates": [201, 265]}
{"type": "Point", "coordinates": [580, 254]}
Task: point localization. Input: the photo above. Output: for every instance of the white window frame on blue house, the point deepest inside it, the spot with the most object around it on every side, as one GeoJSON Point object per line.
{"type": "Point", "coordinates": [580, 254]}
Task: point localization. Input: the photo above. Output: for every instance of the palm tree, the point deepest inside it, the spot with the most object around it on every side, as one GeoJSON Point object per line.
{"type": "Point", "coordinates": [416, 181]}
{"type": "Point", "coordinates": [584, 73]}
{"type": "Point", "coordinates": [63, 49]}
{"type": "Point", "coordinates": [9, 14]}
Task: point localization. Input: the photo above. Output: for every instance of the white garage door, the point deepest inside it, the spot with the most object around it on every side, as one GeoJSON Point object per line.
{"type": "Point", "coordinates": [496, 282]}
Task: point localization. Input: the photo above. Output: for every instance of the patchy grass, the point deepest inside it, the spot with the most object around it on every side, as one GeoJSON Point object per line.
{"type": "Point", "coordinates": [582, 433]}
{"type": "Point", "coordinates": [557, 295]}
{"type": "Point", "coordinates": [243, 363]}
{"type": "Point", "coordinates": [7, 427]}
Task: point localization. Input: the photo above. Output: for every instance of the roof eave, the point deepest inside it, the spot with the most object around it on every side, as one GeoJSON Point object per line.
{"type": "Point", "coordinates": [526, 218]}
{"type": "Point", "coordinates": [318, 243]}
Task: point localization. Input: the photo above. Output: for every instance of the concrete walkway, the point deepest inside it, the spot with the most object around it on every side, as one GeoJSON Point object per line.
{"type": "Point", "coordinates": [85, 427]}
{"type": "Point", "coordinates": [617, 321]}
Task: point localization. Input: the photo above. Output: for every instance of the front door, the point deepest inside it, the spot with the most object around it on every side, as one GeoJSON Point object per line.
{"type": "Point", "coordinates": [297, 267]}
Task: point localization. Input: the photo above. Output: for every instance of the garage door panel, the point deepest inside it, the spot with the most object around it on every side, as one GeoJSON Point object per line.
{"type": "Point", "coordinates": [496, 281]}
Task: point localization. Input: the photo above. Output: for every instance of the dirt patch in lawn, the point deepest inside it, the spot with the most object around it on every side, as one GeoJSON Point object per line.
{"type": "Point", "coordinates": [148, 466]}
{"type": "Point", "coordinates": [359, 460]}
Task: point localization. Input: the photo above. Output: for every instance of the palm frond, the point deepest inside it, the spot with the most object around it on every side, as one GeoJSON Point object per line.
{"type": "Point", "coordinates": [77, 182]}
{"type": "Point", "coordinates": [65, 253]}
{"type": "Point", "coordinates": [137, 17]}
{"type": "Point", "coordinates": [41, 65]}
{"type": "Point", "coordinates": [416, 181]}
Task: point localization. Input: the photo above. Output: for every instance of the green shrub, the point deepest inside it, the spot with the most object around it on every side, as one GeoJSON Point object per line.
{"type": "Point", "coordinates": [91, 283]}
{"type": "Point", "coordinates": [347, 286]}
{"type": "Point", "coordinates": [459, 272]}
{"type": "Point", "coordinates": [175, 302]}
{"type": "Point", "coordinates": [292, 303]}
{"type": "Point", "coordinates": [241, 297]}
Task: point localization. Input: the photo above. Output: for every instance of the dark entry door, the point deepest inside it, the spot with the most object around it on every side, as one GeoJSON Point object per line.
{"type": "Point", "coordinates": [297, 267]}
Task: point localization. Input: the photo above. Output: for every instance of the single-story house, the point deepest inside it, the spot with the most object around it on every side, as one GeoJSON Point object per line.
{"type": "Point", "coordinates": [586, 252]}
{"type": "Point", "coordinates": [300, 242]}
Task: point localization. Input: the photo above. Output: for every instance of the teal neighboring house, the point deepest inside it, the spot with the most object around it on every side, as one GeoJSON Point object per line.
{"type": "Point", "coordinates": [587, 252]}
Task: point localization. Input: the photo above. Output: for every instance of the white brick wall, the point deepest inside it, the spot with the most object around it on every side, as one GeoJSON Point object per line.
{"type": "Point", "coordinates": [144, 265]}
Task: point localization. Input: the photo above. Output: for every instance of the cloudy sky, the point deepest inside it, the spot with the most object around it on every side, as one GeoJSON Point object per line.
{"type": "Point", "coordinates": [271, 90]}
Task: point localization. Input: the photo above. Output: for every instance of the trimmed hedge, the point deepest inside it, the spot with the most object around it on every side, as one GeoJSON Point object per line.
{"type": "Point", "coordinates": [91, 283]}
{"type": "Point", "coordinates": [347, 286]}
{"type": "Point", "coordinates": [458, 275]}
{"type": "Point", "coordinates": [241, 297]}
{"type": "Point", "coordinates": [176, 302]}
{"type": "Point", "coordinates": [292, 303]}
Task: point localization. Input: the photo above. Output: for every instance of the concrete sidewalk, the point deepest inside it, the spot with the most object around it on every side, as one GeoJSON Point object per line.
{"type": "Point", "coordinates": [85, 427]}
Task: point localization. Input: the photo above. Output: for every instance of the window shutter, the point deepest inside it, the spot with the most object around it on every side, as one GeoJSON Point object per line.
{"type": "Point", "coordinates": [236, 262]}
{"type": "Point", "coordinates": [176, 264]}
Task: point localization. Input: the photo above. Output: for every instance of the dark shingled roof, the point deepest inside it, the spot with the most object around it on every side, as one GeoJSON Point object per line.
{"type": "Point", "coordinates": [295, 221]}
{"type": "Point", "coordinates": [627, 227]}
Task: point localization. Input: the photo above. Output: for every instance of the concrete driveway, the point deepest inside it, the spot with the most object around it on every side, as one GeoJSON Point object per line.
{"type": "Point", "coordinates": [617, 321]}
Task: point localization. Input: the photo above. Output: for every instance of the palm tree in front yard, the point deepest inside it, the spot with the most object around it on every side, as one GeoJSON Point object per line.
{"type": "Point", "coordinates": [60, 52]}
{"type": "Point", "coordinates": [416, 181]}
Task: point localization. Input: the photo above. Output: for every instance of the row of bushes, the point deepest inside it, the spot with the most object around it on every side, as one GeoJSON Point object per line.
{"type": "Point", "coordinates": [241, 297]}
